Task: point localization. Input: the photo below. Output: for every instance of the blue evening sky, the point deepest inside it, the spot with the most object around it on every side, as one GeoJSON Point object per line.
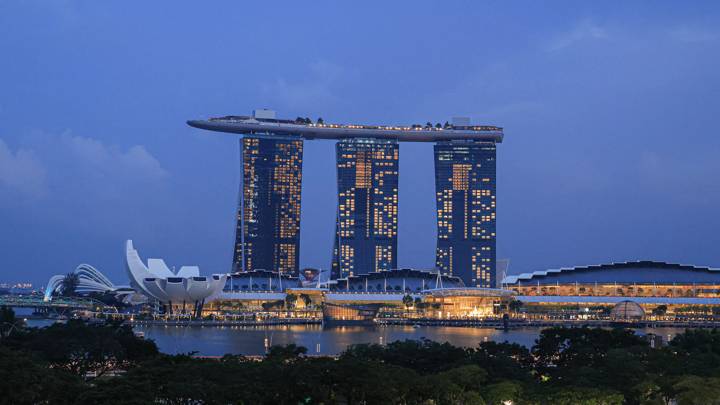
{"type": "Point", "coordinates": [610, 111]}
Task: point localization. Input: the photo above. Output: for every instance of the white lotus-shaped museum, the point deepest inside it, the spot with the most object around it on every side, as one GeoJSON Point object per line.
{"type": "Point", "coordinates": [158, 282]}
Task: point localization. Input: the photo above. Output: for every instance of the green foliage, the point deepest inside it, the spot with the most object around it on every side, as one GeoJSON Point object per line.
{"type": "Point", "coordinates": [268, 306]}
{"type": "Point", "coordinates": [8, 322]}
{"type": "Point", "coordinates": [515, 305]}
{"type": "Point", "coordinates": [27, 380]}
{"type": "Point", "coordinates": [69, 284]}
{"type": "Point", "coordinates": [566, 366]}
{"type": "Point", "coordinates": [286, 354]}
{"type": "Point", "coordinates": [422, 356]}
{"type": "Point", "coordinates": [584, 396]}
{"type": "Point", "coordinates": [502, 392]}
{"type": "Point", "coordinates": [660, 310]}
{"type": "Point", "coordinates": [697, 352]}
{"type": "Point", "coordinates": [694, 390]}
{"type": "Point", "coordinates": [701, 309]}
{"type": "Point", "coordinates": [7, 315]}
{"type": "Point", "coordinates": [290, 300]}
{"type": "Point", "coordinates": [581, 347]}
{"type": "Point", "coordinates": [306, 299]}
{"type": "Point", "coordinates": [79, 348]}
{"type": "Point", "coordinates": [408, 300]}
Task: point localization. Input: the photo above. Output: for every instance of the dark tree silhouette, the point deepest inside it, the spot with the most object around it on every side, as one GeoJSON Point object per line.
{"type": "Point", "coordinates": [408, 300]}
{"type": "Point", "coordinates": [69, 285]}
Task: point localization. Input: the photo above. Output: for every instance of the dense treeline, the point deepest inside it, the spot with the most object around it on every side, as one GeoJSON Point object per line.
{"type": "Point", "coordinates": [78, 363]}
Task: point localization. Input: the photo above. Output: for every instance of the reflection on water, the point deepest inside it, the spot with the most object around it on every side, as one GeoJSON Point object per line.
{"type": "Point", "coordinates": [26, 314]}
{"type": "Point", "coordinates": [216, 341]}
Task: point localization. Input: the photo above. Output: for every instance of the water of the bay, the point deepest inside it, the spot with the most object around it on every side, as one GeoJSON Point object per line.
{"type": "Point", "coordinates": [217, 341]}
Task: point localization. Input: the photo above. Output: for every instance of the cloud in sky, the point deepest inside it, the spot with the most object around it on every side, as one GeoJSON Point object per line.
{"type": "Point", "coordinates": [315, 88]}
{"type": "Point", "coordinates": [74, 171]}
{"type": "Point", "coordinates": [692, 33]}
{"type": "Point", "coordinates": [584, 30]}
{"type": "Point", "coordinates": [110, 160]}
{"type": "Point", "coordinates": [21, 171]}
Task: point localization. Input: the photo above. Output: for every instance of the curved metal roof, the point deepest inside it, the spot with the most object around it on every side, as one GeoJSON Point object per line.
{"type": "Point", "coordinates": [596, 299]}
{"type": "Point", "coordinates": [400, 273]}
{"type": "Point", "coordinates": [611, 267]}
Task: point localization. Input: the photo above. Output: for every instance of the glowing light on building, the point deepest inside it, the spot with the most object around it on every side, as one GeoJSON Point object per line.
{"type": "Point", "coordinates": [465, 198]}
{"type": "Point", "coordinates": [367, 215]}
{"type": "Point", "coordinates": [268, 220]}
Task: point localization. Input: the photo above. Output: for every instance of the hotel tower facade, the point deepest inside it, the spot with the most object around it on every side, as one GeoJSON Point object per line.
{"type": "Point", "coordinates": [267, 234]}
{"type": "Point", "coordinates": [465, 199]}
{"type": "Point", "coordinates": [367, 213]}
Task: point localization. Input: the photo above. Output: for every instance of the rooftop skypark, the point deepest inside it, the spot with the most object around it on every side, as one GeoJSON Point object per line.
{"type": "Point", "coordinates": [264, 121]}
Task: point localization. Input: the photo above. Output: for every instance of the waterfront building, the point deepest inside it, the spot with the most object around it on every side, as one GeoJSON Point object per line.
{"type": "Point", "coordinates": [367, 213]}
{"type": "Point", "coordinates": [401, 281]}
{"type": "Point", "coordinates": [434, 295]}
{"type": "Point", "coordinates": [624, 279]}
{"type": "Point", "coordinates": [677, 288]}
{"type": "Point", "coordinates": [260, 280]}
{"type": "Point", "coordinates": [338, 315]}
{"type": "Point", "coordinates": [465, 179]}
{"type": "Point", "coordinates": [183, 292]}
{"type": "Point", "coordinates": [466, 303]}
{"type": "Point", "coordinates": [268, 218]}
{"type": "Point", "coordinates": [366, 220]}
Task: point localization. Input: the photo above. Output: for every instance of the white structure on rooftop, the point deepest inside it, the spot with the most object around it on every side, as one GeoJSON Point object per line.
{"type": "Point", "coordinates": [157, 281]}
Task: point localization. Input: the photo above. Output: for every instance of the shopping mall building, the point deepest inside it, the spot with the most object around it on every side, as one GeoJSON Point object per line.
{"type": "Point", "coordinates": [678, 287]}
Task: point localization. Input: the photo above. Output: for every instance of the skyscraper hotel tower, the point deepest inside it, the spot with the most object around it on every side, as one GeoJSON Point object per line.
{"type": "Point", "coordinates": [367, 213]}
{"type": "Point", "coordinates": [268, 220]}
{"type": "Point", "coordinates": [465, 198]}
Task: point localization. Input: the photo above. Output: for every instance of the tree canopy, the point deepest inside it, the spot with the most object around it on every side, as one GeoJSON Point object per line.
{"type": "Point", "coordinates": [107, 364]}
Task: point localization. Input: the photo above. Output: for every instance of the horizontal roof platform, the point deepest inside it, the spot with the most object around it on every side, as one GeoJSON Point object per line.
{"type": "Point", "coordinates": [308, 130]}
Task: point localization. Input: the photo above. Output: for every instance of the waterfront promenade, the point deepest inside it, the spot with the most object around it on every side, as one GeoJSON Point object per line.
{"type": "Point", "coordinates": [493, 323]}
{"type": "Point", "coordinates": [223, 323]}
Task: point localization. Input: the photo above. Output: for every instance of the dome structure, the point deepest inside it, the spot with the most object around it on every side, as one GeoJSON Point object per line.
{"type": "Point", "coordinates": [90, 280]}
{"type": "Point", "coordinates": [156, 281]}
{"type": "Point", "coordinates": [627, 310]}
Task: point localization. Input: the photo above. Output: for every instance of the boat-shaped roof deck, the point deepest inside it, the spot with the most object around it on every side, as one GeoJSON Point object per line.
{"type": "Point", "coordinates": [320, 130]}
